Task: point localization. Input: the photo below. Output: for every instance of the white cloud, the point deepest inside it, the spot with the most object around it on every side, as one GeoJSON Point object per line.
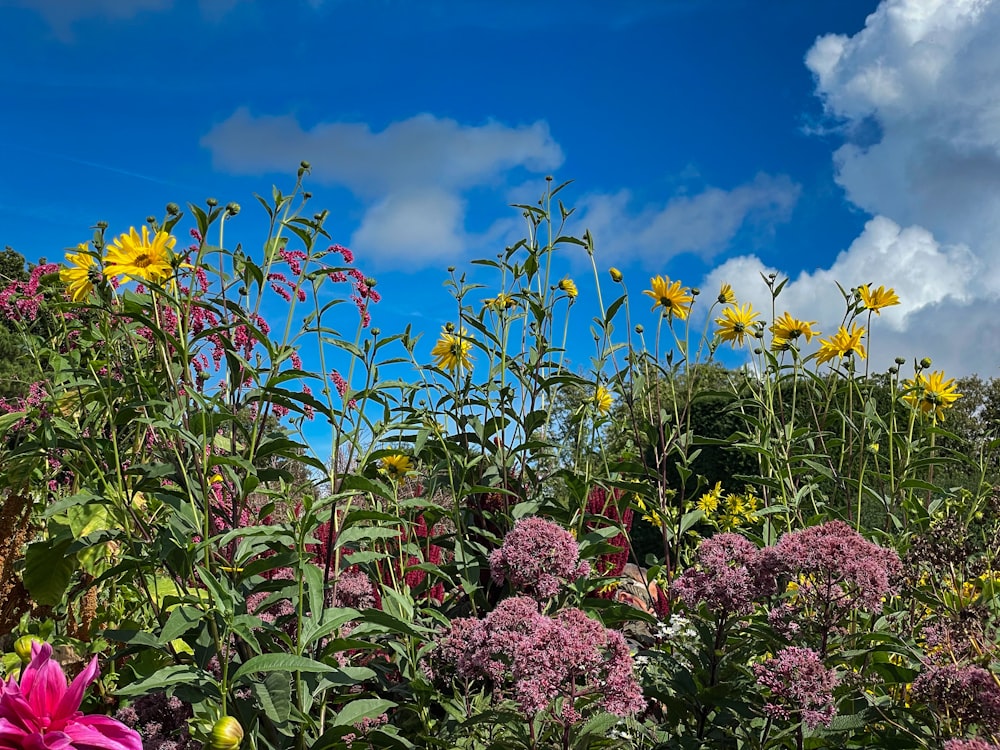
{"type": "Point", "coordinates": [926, 75]}
{"type": "Point", "coordinates": [916, 95]}
{"type": "Point", "coordinates": [703, 224]}
{"type": "Point", "coordinates": [423, 224]}
{"type": "Point", "coordinates": [412, 175]}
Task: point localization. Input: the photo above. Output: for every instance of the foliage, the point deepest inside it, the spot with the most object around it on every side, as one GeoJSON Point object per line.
{"type": "Point", "coordinates": [459, 567]}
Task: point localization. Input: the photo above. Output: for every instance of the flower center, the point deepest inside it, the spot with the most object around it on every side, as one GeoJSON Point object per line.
{"type": "Point", "coordinates": [143, 260]}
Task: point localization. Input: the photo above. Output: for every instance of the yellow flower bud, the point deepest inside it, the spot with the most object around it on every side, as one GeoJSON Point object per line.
{"type": "Point", "coordinates": [616, 275]}
{"type": "Point", "coordinates": [227, 734]}
{"type": "Point", "coordinates": [22, 647]}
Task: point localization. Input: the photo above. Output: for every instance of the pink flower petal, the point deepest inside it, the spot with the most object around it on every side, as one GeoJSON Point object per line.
{"type": "Point", "coordinates": [69, 704]}
{"type": "Point", "coordinates": [102, 732]}
{"type": "Point", "coordinates": [47, 741]}
{"type": "Point", "coordinates": [43, 682]}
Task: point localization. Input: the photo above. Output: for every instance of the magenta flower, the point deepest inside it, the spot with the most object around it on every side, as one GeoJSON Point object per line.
{"type": "Point", "coordinates": [43, 713]}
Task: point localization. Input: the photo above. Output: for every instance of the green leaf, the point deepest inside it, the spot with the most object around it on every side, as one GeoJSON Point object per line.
{"type": "Point", "coordinates": [363, 708]}
{"type": "Point", "coordinates": [275, 696]}
{"type": "Point", "coordinates": [48, 570]}
{"type": "Point", "coordinates": [281, 663]}
{"type": "Point", "coordinates": [167, 677]}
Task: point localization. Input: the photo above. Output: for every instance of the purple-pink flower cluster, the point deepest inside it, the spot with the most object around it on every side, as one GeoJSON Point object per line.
{"type": "Point", "coordinates": [540, 659]}
{"type": "Point", "coordinates": [537, 557]}
{"type": "Point", "coordinates": [973, 744]}
{"type": "Point", "coordinates": [967, 693]}
{"type": "Point", "coordinates": [798, 683]}
{"type": "Point", "coordinates": [732, 573]}
{"type": "Point", "coordinates": [838, 568]}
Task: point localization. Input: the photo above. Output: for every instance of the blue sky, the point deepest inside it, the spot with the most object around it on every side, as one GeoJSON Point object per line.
{"type": "Point", "coordinates": [708, 140]}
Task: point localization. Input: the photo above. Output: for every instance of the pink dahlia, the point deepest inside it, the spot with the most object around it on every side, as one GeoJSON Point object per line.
{"type": "Point", "coordinates": [43, 713]}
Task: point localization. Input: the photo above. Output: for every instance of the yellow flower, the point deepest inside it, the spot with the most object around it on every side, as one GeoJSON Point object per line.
{"type": "Point", "coordinates": [603, 399]}
{"type": "Point", "coordinates": [652, 515]}
{"type": "Point", "coordinates": [502, 301]}
{"type": "Point", "coordinates": [616, 275]}
{"type": "Point", "coordinates": [82, 275]}
{"type": "Point", "coordinates": [452, 352]}
{"type": "Point", "coordinates": [567, 285]}
{"type": "Point", "coordinates": [789, 329]}
{"type": "Point", "coordinates": [140, 257]}
{"type": "Point", "coordinates": [709, 502]}
{"type": "Point", "coordinates": [842, 344]}
{"type": "Point", "coordinates": [726, 296]}
{"type": "Point", "coordinates": [931, 395]}
{"type": "Point", "coordinates": [396, 466]}
{"type": "Point", "coordinates": [878, 299]}
{"type": "Point", "coordinates": [673, 298]}
{"type": "Point", "coordinates": [735, 323]}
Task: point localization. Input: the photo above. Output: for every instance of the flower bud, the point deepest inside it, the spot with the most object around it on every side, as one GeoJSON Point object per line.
{"type": "Point", "coordinates": [227, 734]}
{"type": "Point", "coordinates": [232, 208]}
{"type": "Point", "coordinates": [370, 282]}
{"type": "Point", "coordinates": [212, 202]}
{"type": "Point", "coordinates": [616, 275]}
{"type": "Point", "coordinates": [150, 219]}
{"type": "Point", "coordinates": [22, 647]}
{"type": "Point", "coordinates": [305, 165]}
{"type": "Point", "coordinates": [376, 331]}
{"type": "Point", "coordinates": [173, 209]}
{"type": "Point", "coordinates": [695, 291]}
{"type": "Point", "coordinates": [449, 327]}
{"type": "Point", "coordinates": [639, 328]}
{"type": "Point", "coordinates": [925, 363]}
{"type": "Point", "coordinates": [900, 360]}
{"type": "Point", "coordinates": [102, 225]}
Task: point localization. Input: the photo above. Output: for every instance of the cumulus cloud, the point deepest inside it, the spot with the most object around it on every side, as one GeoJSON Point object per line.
{"type": "Point", "coordinates": [937, 286]}
{"type": "Point", "coordinates": [412, 175]}
{"type": "Point", "coordinates": [916, 96]}
{"type": "Point", "coordinates": [703, 223]}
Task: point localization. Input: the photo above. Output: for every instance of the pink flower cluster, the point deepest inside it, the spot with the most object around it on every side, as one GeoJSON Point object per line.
{"type": "Point", "coordinates": [540, 659]}
{"type": "Point", "coordinates": [732, 573]}
{"type": "Point", "coordinates": [798, 682]}
{"type": "Point", "coordinates": [537, 557]}
{"type": "Point", "coordinates": [20, 300]}
{"type": "Point", "coordinates": [967, 693]}
{"type": "Point", "coordinates": [839, 568]}
{"type": "Point", "coordinates": [42, 712]}
{"type": "Point", "coordinates": [835, 569]}
{"type": "Point", "coordinates": [974, 744]}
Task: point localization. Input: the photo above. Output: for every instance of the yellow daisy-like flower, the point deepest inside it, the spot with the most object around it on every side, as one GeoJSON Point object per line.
{"type": "Point", "coordinates": [842, 344]}
{"type": "Point", "coordinates": [396, 466]}
{"type": "Point", "coordinates": [603, 399]}
{"type": "Point", "coordinates": [452, 351]}
{"type": "Point", "coordinates": [709, 502]}
{"type": "Point", "coordinates": [567, 285]}
{"type": "Point", "coordinates": [652, 515]}
{"type": "Point", "coordinates": [502, 301]}
{"type": "Point", "coordinates": [81, 276]}
{"type": "Point", "coordinates": [141, 258]}
{"type": "Point", "coordinates": [789, 329]}
{"type": "Point", "coordinates": [673, 298]}
{"type": "Point", "coordinates": [735, 323]}
{"type": "Point", "coordinates": [932, 394]}
{"type": "Point", "coordinates": [726, 295]}
{"type": "Point", "coordinates": [878, 299]}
